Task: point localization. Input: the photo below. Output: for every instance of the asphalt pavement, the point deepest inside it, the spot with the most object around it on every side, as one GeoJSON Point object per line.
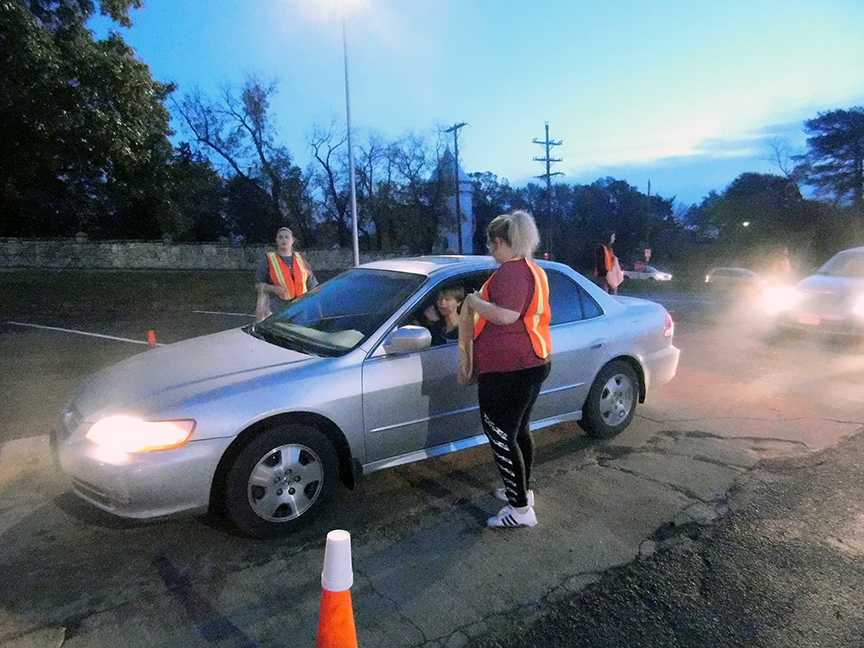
{"type": "Point", "coordinates": [784, 569]}
{"type": "Point", "coordinates": [427, 572]}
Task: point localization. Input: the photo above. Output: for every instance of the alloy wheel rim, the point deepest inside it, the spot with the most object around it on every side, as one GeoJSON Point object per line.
{"type": "Point", "coordinates": [616, 399]}
{"type": "Point", "coordinates": [285, 483]}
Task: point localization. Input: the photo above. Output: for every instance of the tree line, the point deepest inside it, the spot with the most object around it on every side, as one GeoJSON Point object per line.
{"type": "Point", "coordinates": [87, 147]}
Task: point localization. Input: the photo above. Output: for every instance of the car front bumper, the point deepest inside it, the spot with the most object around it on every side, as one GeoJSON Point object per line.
{"type": "Point", "coordinates": [144, 485]}
{"type": "Point", "coordinates": [822, 323]}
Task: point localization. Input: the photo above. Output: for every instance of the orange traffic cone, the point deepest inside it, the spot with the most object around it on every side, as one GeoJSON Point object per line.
{"type": "Point", "coordinates": [151, 339]}
{"type": "Point", "coordinates": [336, 624]}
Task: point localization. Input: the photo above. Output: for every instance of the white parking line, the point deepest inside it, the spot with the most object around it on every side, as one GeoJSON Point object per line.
{"type": "Point", "coordinates": [203, 312]}
{"type": "Point", "coordinates": [98, 335]}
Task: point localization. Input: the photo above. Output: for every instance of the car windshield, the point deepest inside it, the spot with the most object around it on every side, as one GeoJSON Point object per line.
{"type": "Point", "coordinates": [846, 264]}
{"type": "Point", "coordinates": [339, 314]}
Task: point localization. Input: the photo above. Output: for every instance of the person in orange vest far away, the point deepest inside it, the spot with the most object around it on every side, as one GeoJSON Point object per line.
{"type": "Point", "coordinates": [512, 350]}
{"type": "Point", "coordinates": [281, 276]}
{"type": "Point", "coordinates": [606, 267]}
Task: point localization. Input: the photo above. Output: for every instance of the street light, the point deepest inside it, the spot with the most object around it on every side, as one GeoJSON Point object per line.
{"type": "Point", "coordinates": [745, 224]}
{"type": "Point", "coordinates": [354, 235]}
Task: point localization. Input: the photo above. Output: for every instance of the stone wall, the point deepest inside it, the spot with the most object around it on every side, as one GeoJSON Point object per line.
{"type": "Point", "coordinates": [156, 255]}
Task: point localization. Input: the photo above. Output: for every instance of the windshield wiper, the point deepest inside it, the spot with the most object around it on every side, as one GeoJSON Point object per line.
{"type": "Point", "coordinates": [284, 340]}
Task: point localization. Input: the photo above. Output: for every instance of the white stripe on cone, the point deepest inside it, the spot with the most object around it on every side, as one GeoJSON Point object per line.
{"type": "Point", "coordinates": [338, 574]}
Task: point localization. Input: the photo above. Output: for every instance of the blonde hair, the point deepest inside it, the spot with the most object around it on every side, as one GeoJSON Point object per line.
{"type": "Point", "coordinates": [518, 230]}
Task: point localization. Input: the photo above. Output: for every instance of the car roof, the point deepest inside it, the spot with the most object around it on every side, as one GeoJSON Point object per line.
{"type": "Point", "coordinates": [855, 250]}
{"type": "Point", "coordinates": [444, 264]}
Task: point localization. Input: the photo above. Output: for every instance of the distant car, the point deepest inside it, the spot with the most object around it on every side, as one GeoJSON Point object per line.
{"type": "Point", "coordinates": [732, 278]}
{"type": "Point", "coordinates": [830, 301]}
{"type": "Point", "coordinates": [262, 422]}
{"type": "Point", "coordinates": [648, 272]}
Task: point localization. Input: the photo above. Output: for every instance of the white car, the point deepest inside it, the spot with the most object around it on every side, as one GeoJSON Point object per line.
{"type": "Point", "coordinates": [830, 301]}
{"type": "Point", "coordinates": [650, 273]}
{"type": "Point", "coordinates": [732, 278]}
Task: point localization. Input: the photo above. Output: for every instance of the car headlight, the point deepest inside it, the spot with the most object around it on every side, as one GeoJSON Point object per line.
{"type": "Point", "coordinates": [130, 434]}
{"type": "Point", "coordinates": [777, 299]}
{"type": "Point", "coordinates": [858, 306]}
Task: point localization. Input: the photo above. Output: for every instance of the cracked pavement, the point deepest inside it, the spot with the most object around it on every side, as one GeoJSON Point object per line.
{"type": "Point", "coordinates": [427, 573]}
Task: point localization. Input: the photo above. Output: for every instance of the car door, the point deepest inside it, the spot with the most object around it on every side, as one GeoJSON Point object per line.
{"type": "Point", "coordinates": [579, 334]}
{"type": "Point", "coordinates": [412, 401]}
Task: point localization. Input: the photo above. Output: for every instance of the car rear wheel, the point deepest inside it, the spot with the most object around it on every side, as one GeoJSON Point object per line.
{"type": "Point", "coordinates": [611, 403]}
{"type": "Point", "coordinates": [280, 480]}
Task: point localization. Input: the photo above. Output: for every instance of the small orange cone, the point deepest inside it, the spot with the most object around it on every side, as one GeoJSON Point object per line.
{"type": "Point", "coordinates": [336, 623]}
{"type": "Point", "coordinates": [151, 339]}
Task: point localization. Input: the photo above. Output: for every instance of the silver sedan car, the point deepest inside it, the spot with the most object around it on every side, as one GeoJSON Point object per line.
{"type": "Point", "coordinates": [260, 423]}
{"type": "Point", "coordinates": [830, 301]}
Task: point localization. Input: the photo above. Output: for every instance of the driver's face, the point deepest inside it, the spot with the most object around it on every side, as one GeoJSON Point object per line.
{"type": "Point", "coordinates": [446, 304]}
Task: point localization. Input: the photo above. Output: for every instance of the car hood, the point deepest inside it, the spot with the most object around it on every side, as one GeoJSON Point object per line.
{"type": "Point", "coordinates": [202, 362]}
{"type": "Point", "coordinates": [825, 284]}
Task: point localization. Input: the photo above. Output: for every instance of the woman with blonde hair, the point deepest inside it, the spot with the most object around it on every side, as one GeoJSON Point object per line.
{"type": "Point", "coordinates": [512, 348]}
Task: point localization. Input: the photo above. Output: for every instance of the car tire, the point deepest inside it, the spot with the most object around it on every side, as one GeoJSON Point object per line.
{"type": "Point", "coordinates": [611, 402]}
{"type": "Point", "coordinates": [281, 479]}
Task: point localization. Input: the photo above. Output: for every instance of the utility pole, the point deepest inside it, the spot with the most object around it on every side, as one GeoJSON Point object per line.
{"type": "Point", "coordinates": [548, 176]}
{"type": "Point", "coordinates": [455, 130]}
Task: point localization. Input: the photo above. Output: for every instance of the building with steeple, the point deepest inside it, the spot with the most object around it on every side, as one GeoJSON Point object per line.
{"type": "Point", "coordinates": [448, 235]}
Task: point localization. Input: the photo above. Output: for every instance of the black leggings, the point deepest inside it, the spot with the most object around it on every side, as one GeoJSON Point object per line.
{"type": "Point", "coordinates": [506, 400]}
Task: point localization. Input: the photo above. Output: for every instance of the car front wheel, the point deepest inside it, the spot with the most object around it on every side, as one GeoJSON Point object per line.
{"type": "Point", "coordinates": [280, 480]}
{"type": "Point", "coordinates": [611, 403]}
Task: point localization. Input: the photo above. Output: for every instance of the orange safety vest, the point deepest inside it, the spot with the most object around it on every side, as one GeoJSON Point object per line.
{"type": "Point", "coordinates": [608, 257]}
{"type": "Point", "coordinates": [537, 316]}
{"type": "Point", "coordinates": [293, 279]}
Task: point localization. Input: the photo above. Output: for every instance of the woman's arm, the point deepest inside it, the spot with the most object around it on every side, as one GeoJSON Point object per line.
{"type": "Point", "coordinates": [493, 313]}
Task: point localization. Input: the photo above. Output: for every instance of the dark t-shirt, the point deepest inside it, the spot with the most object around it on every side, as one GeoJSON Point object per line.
{"type": "Point", "coordinates": [262, 275]}
{"type": "Point", "coordinates": [501, 348]}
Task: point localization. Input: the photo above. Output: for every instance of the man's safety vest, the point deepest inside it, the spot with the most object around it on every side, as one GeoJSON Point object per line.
{"type": "Point", "coordinates": [537, 316]}
{"type": "Point", "coordinates": [292, 279]}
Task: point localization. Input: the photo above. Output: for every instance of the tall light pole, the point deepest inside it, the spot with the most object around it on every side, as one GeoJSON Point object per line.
{"type": "Point", "coordinates": [455, 130]}
{"type": "Point", "coordinates": [354, 234]}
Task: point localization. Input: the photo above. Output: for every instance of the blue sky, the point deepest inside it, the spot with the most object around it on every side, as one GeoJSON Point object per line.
{"type": "Point", "coordinates": [684, 94]}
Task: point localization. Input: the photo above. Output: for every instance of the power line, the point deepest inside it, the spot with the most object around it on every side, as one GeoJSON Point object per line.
{"type": "Point", "coordinates": [455, 130]}
{"type": "Point", "coordinates": [548, 176]}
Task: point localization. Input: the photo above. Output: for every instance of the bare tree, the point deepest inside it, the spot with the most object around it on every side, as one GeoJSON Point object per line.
{"type": "Point", "coordinates": [239, 130]}
{"type": "Point", "coordinates": [781, 157]}
{"type": "Point", "coordinates": [326, 145]}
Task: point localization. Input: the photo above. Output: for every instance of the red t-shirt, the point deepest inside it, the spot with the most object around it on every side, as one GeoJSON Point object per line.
{"type": "Point", "coordinates": [507, 348]}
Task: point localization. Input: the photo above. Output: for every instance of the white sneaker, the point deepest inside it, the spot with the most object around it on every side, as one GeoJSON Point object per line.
{"type": "Point", "coordinates": [501, 494]}
{"type": "Point", "coordinates": [509, 518]}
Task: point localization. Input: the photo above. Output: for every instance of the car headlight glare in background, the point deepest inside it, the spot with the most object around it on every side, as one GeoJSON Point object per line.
{"type": "Point", "coordinates": [858, 306]}
{"type": "Point", "coordinates": [777, 299]}
{"type": "Point", "coordinates": [130, 434]}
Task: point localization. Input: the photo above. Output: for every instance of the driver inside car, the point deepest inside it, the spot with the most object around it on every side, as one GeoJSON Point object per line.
{"type": "Point", "coordinates": [442, 317]}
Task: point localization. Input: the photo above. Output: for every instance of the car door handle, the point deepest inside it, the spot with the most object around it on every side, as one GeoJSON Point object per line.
{"type": "Point", "coordinates": [597, 344]}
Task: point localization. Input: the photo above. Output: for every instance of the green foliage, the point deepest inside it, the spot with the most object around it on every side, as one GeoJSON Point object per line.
{"type": "Point", "coordinates": [834, 162]}
{"type": "Point", "coordinates": [85, 129]}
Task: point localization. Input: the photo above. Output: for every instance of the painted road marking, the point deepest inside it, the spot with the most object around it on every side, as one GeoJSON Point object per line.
{"type": "Point", "coordinates": [203, 312]}
{"type": "Point", "coordinates": [87, 333]}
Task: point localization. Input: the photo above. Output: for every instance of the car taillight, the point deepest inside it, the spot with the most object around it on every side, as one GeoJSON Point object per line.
{"type": "Point", "coordinates": [669, 328]}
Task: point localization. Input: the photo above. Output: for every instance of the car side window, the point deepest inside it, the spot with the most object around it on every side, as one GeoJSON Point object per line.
{"type": "Point", "coordinates": [590, 308]}
{"type": "Point", "coordinates": [564, 298]}
{"type": "Point", "coordinates": [428, 313]}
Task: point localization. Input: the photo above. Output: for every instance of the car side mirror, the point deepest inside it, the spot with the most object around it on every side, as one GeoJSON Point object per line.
{"type": "Point", "coordinates": [408, 339]}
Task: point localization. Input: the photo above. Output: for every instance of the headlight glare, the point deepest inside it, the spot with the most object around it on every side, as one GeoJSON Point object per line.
{"type": "Point", "coordinates": [858, 306]}
{"type": "Point", "coordinates": [777, 299]}
{"type": "Point", "coordinates": [130, 434]}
